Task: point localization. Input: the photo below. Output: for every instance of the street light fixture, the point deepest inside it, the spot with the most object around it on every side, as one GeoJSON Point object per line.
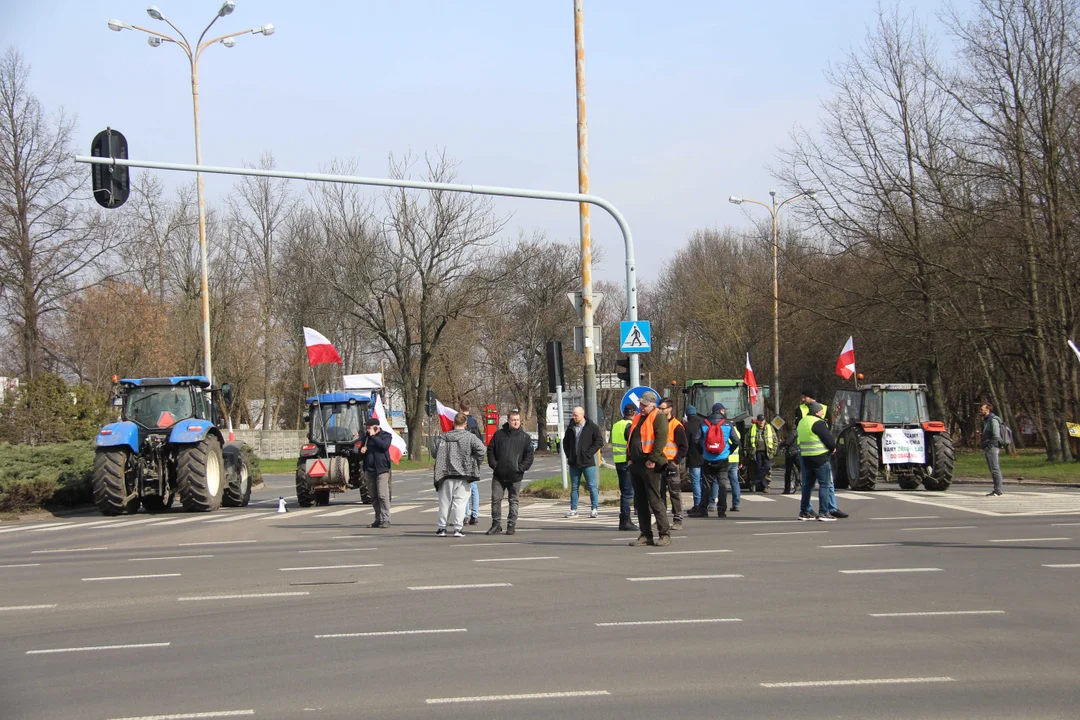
{"type": "Point", "coordinates": [193, 52]}
{"type": "Point", "coordinates": [774, 210]}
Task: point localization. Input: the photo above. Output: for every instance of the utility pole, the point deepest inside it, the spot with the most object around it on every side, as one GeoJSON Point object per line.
{"type": "Point", "coordinates": [583, 212]}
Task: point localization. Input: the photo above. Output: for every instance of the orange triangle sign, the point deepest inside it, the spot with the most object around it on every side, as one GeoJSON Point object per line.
{"type": "Point", "coordinates": [318, 469]}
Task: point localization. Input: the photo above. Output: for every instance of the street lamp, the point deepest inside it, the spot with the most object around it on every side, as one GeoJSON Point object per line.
{"type": "Point", "coordinates": [774, 210]}
{"type": "Point", "coordinates": [193, 53]}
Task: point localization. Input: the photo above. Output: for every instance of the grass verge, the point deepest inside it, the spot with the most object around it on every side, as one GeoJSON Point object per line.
{"type": "Point", "coordinates": [1028, 464]}
{"type": "Point", "coordinates": [551, 488]}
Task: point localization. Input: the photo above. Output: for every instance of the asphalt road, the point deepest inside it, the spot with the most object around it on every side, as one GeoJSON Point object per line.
{"type": "Point", "coordinates": [918, 606]}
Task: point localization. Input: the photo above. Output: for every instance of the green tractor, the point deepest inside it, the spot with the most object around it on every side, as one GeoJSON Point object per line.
{"type": "Point", "coordinates": [735, 396]}
{"type": "Point", "coordinates": [884, 431]}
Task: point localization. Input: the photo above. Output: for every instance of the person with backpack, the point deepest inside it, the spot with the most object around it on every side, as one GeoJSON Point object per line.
{"type": "Point", "coordinates": [719, 440]}
{"type": "Point", "coordinates": [993, 439]}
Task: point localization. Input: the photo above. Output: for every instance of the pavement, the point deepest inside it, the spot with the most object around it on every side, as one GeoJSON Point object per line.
{"type": "Point", "coordinates": [920, 605]}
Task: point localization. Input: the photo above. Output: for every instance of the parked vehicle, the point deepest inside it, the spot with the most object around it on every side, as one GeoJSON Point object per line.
{"type": "Point", "coordinates": [330, 461]}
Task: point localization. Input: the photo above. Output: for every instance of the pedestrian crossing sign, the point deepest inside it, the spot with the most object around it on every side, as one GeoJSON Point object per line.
{"type": "Point", "coordinates": [635, 336]}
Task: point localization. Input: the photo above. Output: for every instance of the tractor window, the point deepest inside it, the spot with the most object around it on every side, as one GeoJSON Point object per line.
{"type": "Point", "coordinates": [158, 407]}
{"type": "Point", "coordinates": [202, 403]}
{"type": "Point", "coordinates": [871, 409]}
{"type": "Point", "coordinates": [337, 423]}
{"type": "Point", "coordinates": [734, 399]}
{"type": "Point", "coordinates": [845, 409]}
{"type": "Point", "coordinates": [902, 407]}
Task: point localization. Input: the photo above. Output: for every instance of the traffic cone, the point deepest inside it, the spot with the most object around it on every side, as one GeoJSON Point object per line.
{"type": "Point", "coordinates": [281, 505]}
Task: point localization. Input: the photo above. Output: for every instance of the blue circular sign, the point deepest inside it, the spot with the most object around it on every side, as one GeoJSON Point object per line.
{"type": "Point", "coordinates": [633, 395]}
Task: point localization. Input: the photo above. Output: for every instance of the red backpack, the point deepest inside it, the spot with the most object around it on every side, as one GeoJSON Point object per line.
{"type": "Point", "coordinates": [715, 442]}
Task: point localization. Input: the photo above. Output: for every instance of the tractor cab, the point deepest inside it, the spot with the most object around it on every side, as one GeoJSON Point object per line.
{"type": "Point", "coordinates": [337, 418]}
{"type": "Point", "coordinates": [160, 403]}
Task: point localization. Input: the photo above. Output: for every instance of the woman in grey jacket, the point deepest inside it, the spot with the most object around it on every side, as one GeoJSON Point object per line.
{"type": "Point", "coordinates": [458, 454]}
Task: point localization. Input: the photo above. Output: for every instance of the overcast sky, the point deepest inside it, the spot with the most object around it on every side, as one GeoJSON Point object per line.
{"type": "Point", "coordinates": [687, 101]}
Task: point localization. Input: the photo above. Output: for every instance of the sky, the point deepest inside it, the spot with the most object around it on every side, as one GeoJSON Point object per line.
{"type": "Point", "coordinates": [687, 102]}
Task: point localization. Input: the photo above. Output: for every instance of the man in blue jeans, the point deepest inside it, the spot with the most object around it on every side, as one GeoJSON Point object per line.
{"type": "Point", "coordinates": [816, 445]}
{"type": "Point", "coordinates": [620, 432]}
{"type": "Point", "coordinates": [694, 460]}
{"type": "Point", "coordinates": [582, 441]}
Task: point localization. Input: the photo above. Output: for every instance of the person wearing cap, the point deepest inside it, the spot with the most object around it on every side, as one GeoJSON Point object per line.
{"type": "Point", "coordinates": [694, 432]}
{"type": "Point", "coordinates": [717, 462]}
{"type": "Point", "coordinates": [675, 451]}
{"type": "Point", "coordinates": [763, 446]}
{"type": "Point", "coordinates": [816, 446]}
{"type": "Point", "coordinates": [619, 433]}
{"type": "Point", "coordinates": [375, 450]}
{"type": "Point", "coordinates": [645, 449]}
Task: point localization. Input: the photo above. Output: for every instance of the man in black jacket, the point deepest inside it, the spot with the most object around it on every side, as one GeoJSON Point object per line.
{"type": "Point", "coordinates": [695, 431]}
{"type": "Point", "coordinates": [509, 455]}
{"type": "Point", "coordinates": [376, 452]}
{"type": "Point", "coordinates": [582, 441]}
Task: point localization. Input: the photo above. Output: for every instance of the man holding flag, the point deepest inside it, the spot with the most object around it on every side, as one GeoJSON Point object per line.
{"type": "Point", "coordinates": [379, 448]}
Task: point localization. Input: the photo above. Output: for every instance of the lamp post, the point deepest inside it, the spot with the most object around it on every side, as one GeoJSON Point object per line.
{"type": "Point", "coordinates": [774, 210]}
{"type": "Point", "coordinates": [193, 53]}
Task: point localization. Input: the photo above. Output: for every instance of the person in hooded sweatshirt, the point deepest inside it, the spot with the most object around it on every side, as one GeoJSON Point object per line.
{"type": "Point", "coordinates": [509, 455]}
{"type": "Point", "coordinates": [457, 466]}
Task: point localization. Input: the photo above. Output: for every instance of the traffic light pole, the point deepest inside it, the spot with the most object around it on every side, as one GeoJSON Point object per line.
{"type": "Point", "coordinates": [628, 240]}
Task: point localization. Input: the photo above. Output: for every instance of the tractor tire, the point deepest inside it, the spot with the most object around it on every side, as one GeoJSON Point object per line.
{"type": "Point", "coordinates": [322, 497]}
{"type": "Point", "coordinates": [305, 496]}
{"type": "Point", "coordinates": [908, 483]}
{"type": "Point", "coordinates": [238, 491]}
{"type": "Point", "coordinates": [200, 474]}
{"type": "Point", "coordinates": [112, 482]}
{"type": "Point", "coordinates": [156, 504]}
{"type": "Point", "coordinates": [839, 465]}
{"type": "Point", "coordinates": [944, 458]}
{"type": "Point", "coordinates": [863, 461]}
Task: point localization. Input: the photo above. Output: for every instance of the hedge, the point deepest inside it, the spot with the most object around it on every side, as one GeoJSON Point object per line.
{"type": "Point", "coordinates": [34, 475]}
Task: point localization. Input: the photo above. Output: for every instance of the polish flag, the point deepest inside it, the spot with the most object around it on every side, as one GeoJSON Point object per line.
{"type": "Point", "coordinates": [751, 382]}
{"type": "Point", "coordinates": [845, 366]}
{"type": "Point", "coordinates": [446, 416]}
{"type": "Point", "coordinates": [319, 349]}
{"type": "Point", "coordinates": [397, 445]}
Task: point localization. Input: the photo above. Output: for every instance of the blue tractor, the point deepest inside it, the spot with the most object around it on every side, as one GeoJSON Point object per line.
{"type": "Point", "coordinates": [168, 444]}
{"type": "Point", "coordinates": [331, 461]}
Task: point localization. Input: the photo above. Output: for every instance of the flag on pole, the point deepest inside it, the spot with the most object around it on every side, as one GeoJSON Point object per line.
{"type": "Point", "coordinates": [748, 378]}
{"type": "Point", "coordinates": [319, 349]}
{"type": "Point", "coordinates": [845, 365]}
{"type": "Point", "coordinates": [446, 416]}
{"type": "Point", "coordinates": [397, 445]}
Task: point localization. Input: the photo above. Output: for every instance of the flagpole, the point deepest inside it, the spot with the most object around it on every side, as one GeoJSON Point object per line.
{"type": "Point", "coordinates": [322, 418]}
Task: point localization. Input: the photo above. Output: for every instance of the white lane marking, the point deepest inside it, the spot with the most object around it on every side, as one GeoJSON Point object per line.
{"type": "Point", "coordinates": [430, 510]}
{"type": "Point", "coordinates": [394, 632]}
{"type": "Point", "coordinates": [522, 559]}
{"type": "Point", "coordinates": [21, 565]}
{"type": "Point", "coordinates": [243, 596]}
{"type": "Point", "coordinates": [853, 496]}
{"type": "Point", "coordinates": [938, 612]}
{"type": "Point", "coordinates": [192, 716]}
{"type": "Point", "coordinates": [686, 552]}
{"type": "Point", "coordinates": [97, 647]}
{"type": "Point", "coordinates": [793, 532]}
{"type": "Point", "coordinates": [351, 537]}
{"type": "Point", "coordinates": [26, 607]}
{"type": "Point", "coordinates": [130, 577]}
{"type": "Point", "coordinates": [460, 587]}
{"type": "Point", "coordinates": [335, 550]}
{"type": "Point", "coordinates": [890, 570]}
{"type": "Point", "coordinates": [1063, 524]}
{"type": "Point", "coordinates": [243, 516]}
{"type": "Point", "coordinates": [910, 517]}
{"type": "Point", "coordinates": [757, 498]}
{"type": "Point", "coordinates": [291, 514]}
{"type": "Point", "coordinates": [55, 526]}
{"type": "Point", "coordinates": [951, 527]}
{"type": "Point", "coordinates": [682, 577]}
{"type": "Point", "coordinates": [218, 542]}
{"type": "Point", "coordinates": [489, 544]}
{"type": "Point", "coordinates": [65, 550]}
{"type": "Point", "coordinates": [122, 524]}
{"type": "Point", "coordinates": [527, 696]}
{"type": "Point", "coordinates": [876, 681]}
{"type": "Point", "coordinates": [859, 545]}
{"type": "Point", "coordinates": [181, 521]}
{"type": "Point", "coordinates": [328, 567]}
{"type": "Point", "coordinates": [170, 557]}
{"type": "Point", "coordinates": [1063, 565]}
{"type": "Point", "coordinates": [1053, 539]}
{"type": "Point", "coordinates": [764, 522]}
{"type": "Point", "coordinates": [668, 622]}
{"type": "Point", "coordinates": [346, 511]}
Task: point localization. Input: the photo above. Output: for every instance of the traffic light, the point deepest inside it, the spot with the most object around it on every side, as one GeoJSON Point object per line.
{"type": "Point", "coordinates": [622, 370]}
{"type": "Point", "coordinates": [430, 402]}
{"type": "Point", "coordinates": [110, 183]}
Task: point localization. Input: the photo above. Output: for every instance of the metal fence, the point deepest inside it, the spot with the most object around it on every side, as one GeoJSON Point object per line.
{"type": "Point", "coordinates": [273, 444]}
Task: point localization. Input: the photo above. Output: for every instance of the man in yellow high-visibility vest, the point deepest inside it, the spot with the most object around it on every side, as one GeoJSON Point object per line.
{"type": "Point", "coordinates": [619, 433]}
{"type": "Point", "coordinates": [816, 445]}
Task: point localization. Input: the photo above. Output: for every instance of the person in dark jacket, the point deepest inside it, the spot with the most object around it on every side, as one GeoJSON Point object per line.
{"type": "Point", "coordinates": [792, 461]}
{"type": "Point", "coordinates": [717, 464]}
{"type": "Point", "coordinates": [472, 510]}
{"type": "Point", "coordinates": [694, 433]}
{"type": "Point", "coordinates": [991, 446]}
{"type": "Point", "coordinates": [581, 442]}
{"type": "Point", "coordinates": [816, 446]}
{"type": "Point", "coordinates": [509, 455]}
{"type": "Point", "coordinates": [675, 451]}
{"type": "Point", "coordinates": [645, 449]}
{"type": "Point", "coordinates": [458, 454]}
{"type": "Point", "coordinates": [376, 452]}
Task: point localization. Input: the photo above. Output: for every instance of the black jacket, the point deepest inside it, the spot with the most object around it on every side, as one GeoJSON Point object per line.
{"type": "Point", "coordinates": [510, 454]}
{"type": "Point", "coordinates": [582, 454]}
{"type": "Point", "coordinates": [377, 457]}
{"type": "Point", "coordinates": [694, 425]}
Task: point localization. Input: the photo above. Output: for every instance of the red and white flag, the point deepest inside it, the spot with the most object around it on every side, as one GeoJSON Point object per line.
{"type": "Point", "coordinates": [751, 382]}
{"type": "Point", "coordinates": [319, 349]}
{"type": "Point", "coordinates": [397, 445]}
{"type": "Point", "coordinates": [446, 416]}
{"type": "Point", "coordinates": [845, 365]}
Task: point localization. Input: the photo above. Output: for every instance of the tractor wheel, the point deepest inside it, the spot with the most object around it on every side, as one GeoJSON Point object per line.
{"type": "Point", "coordinates": [863, 461]}
{"type": "Point", "coordinates": [839, 463]}
{"type": "Point", "coordinates": [322, 497]}
{"type": "Point", "coordinates": [940, 476]}
{"type": "Point", "coordinates": [113, 482]}
{"type": "Point", "coordinates": [156, 504]}
{"type": "Point", "coordinates": [907, 482]}
{"type": "Point", "coordinates": [200, 473]}
{"type": "Point", "coordinates": [305, 496]}
{"type": "Point", "coordinates": [238, 491]}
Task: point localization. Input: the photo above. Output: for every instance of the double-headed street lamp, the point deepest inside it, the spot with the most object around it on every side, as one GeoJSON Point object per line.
{"type": "Point", "coordinates": [774, 210]}
{"type": "Point", "coordinates": [193, 52]}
